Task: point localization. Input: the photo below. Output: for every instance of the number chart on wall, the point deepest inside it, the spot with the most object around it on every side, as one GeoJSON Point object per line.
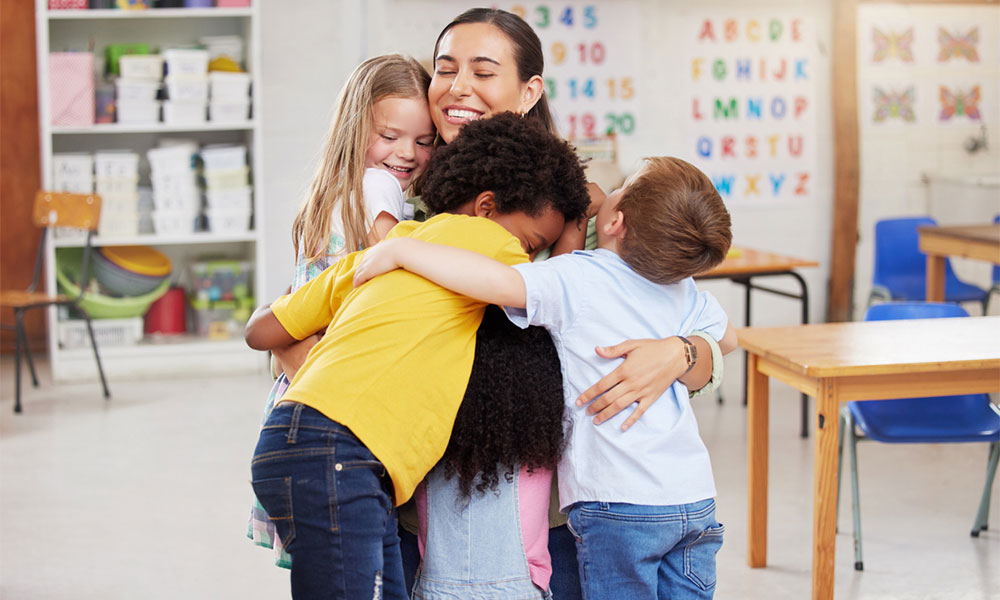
{"type": "Point", "coordinates": [751, 123]}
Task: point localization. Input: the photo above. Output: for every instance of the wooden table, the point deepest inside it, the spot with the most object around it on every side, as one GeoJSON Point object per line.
{"type": "Point", "coordinates": [970, 241]}
{"type": "Point", "coordinates": [744, 264]}
{"type": "Point", "coordinates": [839, 362]}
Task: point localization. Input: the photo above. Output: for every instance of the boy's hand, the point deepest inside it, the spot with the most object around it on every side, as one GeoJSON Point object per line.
{"type": "Point", "coordinates": [381, 258]}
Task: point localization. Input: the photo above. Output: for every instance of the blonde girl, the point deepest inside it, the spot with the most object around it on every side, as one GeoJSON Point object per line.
{"type": "Point", "coordinates": [379, 142]}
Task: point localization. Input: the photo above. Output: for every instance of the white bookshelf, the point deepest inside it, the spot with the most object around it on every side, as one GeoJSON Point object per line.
{"type": "Point", "coordinates": [60, 30]}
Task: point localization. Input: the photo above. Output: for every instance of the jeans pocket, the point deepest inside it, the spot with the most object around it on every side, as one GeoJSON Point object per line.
{"type": "Point", "coordinates": [275, 495]}
{"type": "Point", "coordinates": [699, 557]}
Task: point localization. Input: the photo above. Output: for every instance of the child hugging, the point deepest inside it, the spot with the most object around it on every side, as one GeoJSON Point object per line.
{"type": "Point", "coordinates": [640, 500]}
{"type": "Point", "coordinates": [379, 142]}
{"type": "Point", "coordinates": [494, 479]}
{"type": "Point", "coordinates": [371, 410]}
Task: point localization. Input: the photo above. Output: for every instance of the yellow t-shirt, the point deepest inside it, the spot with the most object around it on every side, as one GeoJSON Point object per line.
{"type": "Point", "coordinates": [398, 351]}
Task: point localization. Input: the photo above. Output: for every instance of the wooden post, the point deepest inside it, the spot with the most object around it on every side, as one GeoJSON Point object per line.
{"type": "Point", "coordinates": [757, 457]}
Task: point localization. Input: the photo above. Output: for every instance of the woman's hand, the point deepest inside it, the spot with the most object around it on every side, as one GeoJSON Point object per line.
{"type": "Point", "coordinates": [381, 258]}
{"type": "Point", "coordinates": [290, 358]}
{"type": "Point", "coordinates": [651, 366]}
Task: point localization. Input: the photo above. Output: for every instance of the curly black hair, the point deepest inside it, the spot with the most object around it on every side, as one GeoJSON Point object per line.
{"type": "Point", "coordinates": [512, 412]}
{"type": "Point", "coordinates": [527, 168]}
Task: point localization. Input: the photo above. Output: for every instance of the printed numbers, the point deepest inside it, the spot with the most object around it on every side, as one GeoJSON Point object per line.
{"type": "Point", "coordinates": [590, 16]}
{"type": "Point", "coordinates": [623, 123]}
{"type": "Point", "coordinates": [558, 53]}
{"type": "Point", "coordinates": [586, 124]}
{"type": "Point", "coordinates": [621, 88]}
{"type": "Point", "coordinates": [567, 17]}
{"type": "Point", "coordinates": [519, 10]}
{"type": "Point", "coordinates": [595, 52]}
{"type": "Point", "coordinates": [586, 89]}
{"type": "Point", "coordinates": [543, 17]}
{"type": "Point", "coordinates": [550, 88]}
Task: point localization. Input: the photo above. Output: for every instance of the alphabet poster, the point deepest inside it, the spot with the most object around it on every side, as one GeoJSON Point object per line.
{"type": "Point", "coordinates": [751, 111]}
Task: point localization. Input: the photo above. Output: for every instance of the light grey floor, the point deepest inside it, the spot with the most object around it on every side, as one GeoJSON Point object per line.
{"type": "Point", "coordinates": [146, 496]}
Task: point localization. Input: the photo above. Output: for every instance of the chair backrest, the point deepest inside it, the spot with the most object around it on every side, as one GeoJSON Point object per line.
{"type": "Point", "coordinates": [897, 248]}
{"type": "Point", "coordinates": [891, 311]}
{"type": "Point", "coordinates": [996, 268]}
{"type": "Point", "coordinates": [63, 209]}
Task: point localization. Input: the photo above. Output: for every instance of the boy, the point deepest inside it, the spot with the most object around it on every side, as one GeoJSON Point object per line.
{"type": "Point", "coordinates": [371, 409]}
{"type": "Point", "coordinates": [640, 502]}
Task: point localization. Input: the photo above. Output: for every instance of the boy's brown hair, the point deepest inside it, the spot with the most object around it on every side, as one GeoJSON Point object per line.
{"type": "Point", "coordinates": [676, 224]}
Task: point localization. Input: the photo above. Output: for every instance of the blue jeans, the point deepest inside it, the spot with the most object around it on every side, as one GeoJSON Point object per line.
{"type": "Point", "coordinates": [633, 552]}
{"type": "Point", "coordinates": [327, 496]}
{"type": "Point", "coordinates": [565, 582]}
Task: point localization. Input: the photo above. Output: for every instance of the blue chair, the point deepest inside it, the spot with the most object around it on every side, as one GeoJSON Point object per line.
{"type": "Point", "coordinates": [901, 268]}
{"type": "Point", "coordinates": [996, 277]}
{"type": "Point", "coordinates": [944, 419]}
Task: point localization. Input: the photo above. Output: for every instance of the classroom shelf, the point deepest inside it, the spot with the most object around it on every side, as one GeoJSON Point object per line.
{"type": "Point", "coordinates": [62, 30]}
{"type": "Point", "coordinates": [153, 13]}
{"type": "Point", "coordinates": [113, 128]}
{"type": "Point", "coordinates": [152, 239]}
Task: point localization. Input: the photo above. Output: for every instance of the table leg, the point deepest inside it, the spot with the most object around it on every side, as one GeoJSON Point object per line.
{"type": "Point", "coordinates": [825, 490]}
{"type": "Point", "coordinates": [935, 278]}
{"type": "Point", "coordinates": [757, 446]}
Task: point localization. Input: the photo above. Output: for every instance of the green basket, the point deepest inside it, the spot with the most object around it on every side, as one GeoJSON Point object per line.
{"type": "Point", "coordinates": [99, 306]}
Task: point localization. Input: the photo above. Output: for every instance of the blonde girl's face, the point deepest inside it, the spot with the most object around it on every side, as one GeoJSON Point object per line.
{"type": "Point", "coordinates": [402, 138]}
{"type": "Point", "coordinates": [475, 76]}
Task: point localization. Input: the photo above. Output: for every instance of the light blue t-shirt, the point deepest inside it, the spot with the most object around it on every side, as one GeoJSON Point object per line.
{"type": "Point", "coordinates": [593, 297]}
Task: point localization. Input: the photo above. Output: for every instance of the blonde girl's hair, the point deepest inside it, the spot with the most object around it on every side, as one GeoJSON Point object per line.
{"type": "Point", "coordinates": [339, 176]}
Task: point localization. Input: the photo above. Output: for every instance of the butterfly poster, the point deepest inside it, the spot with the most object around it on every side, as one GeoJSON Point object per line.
{"type": "Point", "coordinates": [892, 104]}
{"type": "Point", "coordinates": [891, 44]}
{"type": "Point", "coordinates": [958, 45]}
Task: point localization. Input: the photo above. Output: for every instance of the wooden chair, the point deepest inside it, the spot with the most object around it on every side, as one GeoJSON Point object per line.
{"type": "Point", "coordinates": [53, 209]}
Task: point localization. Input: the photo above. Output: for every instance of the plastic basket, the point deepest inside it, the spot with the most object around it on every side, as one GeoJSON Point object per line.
{"type": "Point", "coordinates": [107, 332]}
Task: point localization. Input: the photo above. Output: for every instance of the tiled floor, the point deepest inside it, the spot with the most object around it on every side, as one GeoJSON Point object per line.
{"type": "Point", "coordinates": [146, 496]}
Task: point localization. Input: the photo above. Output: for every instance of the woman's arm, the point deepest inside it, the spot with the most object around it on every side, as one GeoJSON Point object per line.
{"type": "Point", "coordinates": [650, 367]}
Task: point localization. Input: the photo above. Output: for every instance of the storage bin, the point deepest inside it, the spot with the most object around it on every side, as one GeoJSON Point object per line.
{"type": "Point", "coordinates": [138, 112]}
{"type": "Point", "coordinates": [73, 172]}
{"type": "Point", "coordinates": [187, 88]}
{"type": "Point", "coordinates": [104, 103]}
{"type": "Point", "coordinates": [224, 179]}
{"type": "Point", "coordinates": [174, 222]}
{"type": "Point", "coordinates": [215, 319]}
{"type": "Point", "coordinates": [229, 46]}
{"type": "Point", "coordinates": [67, 4]}
{"type": "Point", "coordinates": [136, 90]}
{"type": "Point", "coordinates": [71, 88]}
{"type": "Point", "coordinates": [116, 225]}
{"type": "Point", "coordinates": [173, 158]}
{"type": "Point", "coordinates": [99, 305]}
{"type": "Point", "coordinates": [221, 280]}
{"type": "Point", "coordinates": [218, 157]}
{"type": "Point", "coordinates": [180, 112]}
{"type": "Point", "coordinates": [232, 199]}
{"type": "Point", "coordinates": [184, 61]}
{"type": "Point", "coordinates": [114, 53]}
{"type": "Point", "coordinates": [121, 163]}
{"type": "Point", "coordinates": [228, 221]}
{"type": "Point", "coordinates": [141, 66]}
{"type": "Point", "coordinates": [228, 111]}
{"type": "Point", "coordinates": [117, 187]}
{"type": "Point", "coordinates": [182, 201]}
{"type": "Point", "coordinates": [173, 182]}
{"type": "Point", "coordinates": [119, 203]}
{"type": "Point", "coordinates": [107, 332]}
{"type": "Point", "coordinates": [229, 87]}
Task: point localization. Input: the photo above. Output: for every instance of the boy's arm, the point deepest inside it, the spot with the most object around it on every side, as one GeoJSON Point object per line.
{"type": "Point", "coordinates": [729, 342]}
{"type": "Point", "coordinates": [574, 235]}
{"type": "Point", "coordinates": [265, 332]}
{"type": "Point", "coordinates": [463, 271]}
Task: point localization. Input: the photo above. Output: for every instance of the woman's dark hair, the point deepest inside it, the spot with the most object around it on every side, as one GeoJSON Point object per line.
{"type": "Point", "coordinates": [512, 413]}
{"type": "Point", "coordinates": [525, 166]}
{"type": "Point", "coordinates": [527, 51]}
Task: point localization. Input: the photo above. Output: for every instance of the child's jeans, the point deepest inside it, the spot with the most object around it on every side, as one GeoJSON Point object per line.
{"type": "Point", "coordinates": [634, 552]}
{"type": "Point", "coordinates": [326, 494]}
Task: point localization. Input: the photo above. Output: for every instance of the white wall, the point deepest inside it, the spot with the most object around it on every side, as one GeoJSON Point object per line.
{"type": "Point", "coordinates": [310, 46]}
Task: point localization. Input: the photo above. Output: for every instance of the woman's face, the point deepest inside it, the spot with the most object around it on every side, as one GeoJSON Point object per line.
{"type": "Point", "coordinates": [475, 76]}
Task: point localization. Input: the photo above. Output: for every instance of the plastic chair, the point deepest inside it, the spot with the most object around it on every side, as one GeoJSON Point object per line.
{"type": "Point", "coordinates": [53, 209]}
{"type": "Point", "coordinates": [995, 279]}
{"type": "Point", "coordinates": [901, 268]}
{"type": "Point", "coordinates": [943, 419]}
